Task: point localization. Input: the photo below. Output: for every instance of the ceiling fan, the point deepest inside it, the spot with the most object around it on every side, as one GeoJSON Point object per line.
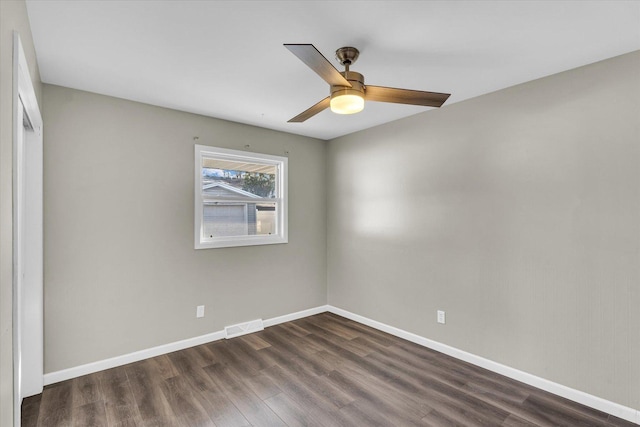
{"type": "Point", "coordinates": [348, 91]}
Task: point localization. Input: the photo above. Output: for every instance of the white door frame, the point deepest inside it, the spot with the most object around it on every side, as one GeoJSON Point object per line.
{"type": "Point", "coordinates": [28, 302]}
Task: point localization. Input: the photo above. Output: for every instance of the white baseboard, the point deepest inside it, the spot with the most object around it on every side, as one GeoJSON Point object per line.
{"type": "Point", "coordinates": [101, 365]}
{"type": "Point", "coordinates": [295, 316]}
{"type": "Point", "coordinates": [598, 403]}
{"type": "Point", "coordinates": [581, 397]}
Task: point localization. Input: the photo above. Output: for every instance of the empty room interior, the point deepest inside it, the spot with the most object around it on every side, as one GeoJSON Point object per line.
{"type": "Point", "coordinates": [212, 215]}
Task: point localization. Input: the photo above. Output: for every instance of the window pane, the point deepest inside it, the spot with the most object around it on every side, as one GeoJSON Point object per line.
{"type": "Point", "coordinates": [231, 179]}
{"type": "Point", "coordinates": [266, 218]}
{"type": "Point", "coordinates": [239, 219]}
{"type": "Point", "coordinates": [223, 220]}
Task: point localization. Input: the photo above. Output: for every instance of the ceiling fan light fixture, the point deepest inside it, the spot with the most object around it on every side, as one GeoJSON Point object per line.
{"type": "Point", "coordinates": [347, 101]}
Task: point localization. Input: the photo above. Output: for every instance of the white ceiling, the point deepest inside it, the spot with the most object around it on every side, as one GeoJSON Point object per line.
{"type": "Point", "coordinates": [225, 59]}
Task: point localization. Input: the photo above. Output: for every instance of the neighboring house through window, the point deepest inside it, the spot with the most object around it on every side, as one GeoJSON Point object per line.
{"type": "Point", "coordinates": [240, 198]}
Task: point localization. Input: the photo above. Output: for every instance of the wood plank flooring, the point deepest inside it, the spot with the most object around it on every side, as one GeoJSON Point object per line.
{"type": "Point", "coordinates": [323, 370]}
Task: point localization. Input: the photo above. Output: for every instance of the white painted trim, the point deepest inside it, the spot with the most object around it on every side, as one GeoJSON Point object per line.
{"type": "Point", "coordinates": [581, 397]}
{"type": "Point", "coordinates": [295, 316]}
{"type": "Point", "coordinates": [27, 286]}
{"type": "Point", "coordinates": [24, 87]}
{"type": "Point", "coordinates": [101, 365]}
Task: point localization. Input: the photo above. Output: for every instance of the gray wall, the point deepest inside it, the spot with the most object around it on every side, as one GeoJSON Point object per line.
{"type": "Point", "coordinates": [517, 212]}
{"type": "Point", "coordinates": [13, 17]}
{"type": "Point", "coordinates": [121, 273]}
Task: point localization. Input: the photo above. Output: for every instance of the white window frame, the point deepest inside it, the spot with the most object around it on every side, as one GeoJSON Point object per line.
{"type": "Point", "coordinates": [281, 164]}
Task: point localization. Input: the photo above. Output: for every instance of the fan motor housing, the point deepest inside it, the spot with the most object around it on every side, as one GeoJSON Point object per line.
{"type": "Point", "coordinates": [357, 85]}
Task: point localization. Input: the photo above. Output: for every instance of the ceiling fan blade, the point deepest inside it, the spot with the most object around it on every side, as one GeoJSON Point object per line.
{"type": "Point", "coordinates": [318, 63]}
{"type": "Point", "coordinates": [307, 114]}
{"type": "Point", "coordinates": [405, 96]}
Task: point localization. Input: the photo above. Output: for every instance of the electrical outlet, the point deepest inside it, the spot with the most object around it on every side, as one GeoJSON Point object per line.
{"type": "Point", "coordinates": [441, 317]}
{"type": "Point", "coordinates": [200, 311]}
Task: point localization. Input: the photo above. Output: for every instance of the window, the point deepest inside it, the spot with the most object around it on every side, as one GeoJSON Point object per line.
{"type": "Point", "coordinates": [240, 198]}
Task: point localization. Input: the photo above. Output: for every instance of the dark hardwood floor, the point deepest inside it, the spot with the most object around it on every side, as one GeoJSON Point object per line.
{"type": "Point", "coordinates": [323, 370]}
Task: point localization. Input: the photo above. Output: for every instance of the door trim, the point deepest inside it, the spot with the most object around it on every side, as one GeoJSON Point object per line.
{"type": "Point", "coordinates": [27, 152]}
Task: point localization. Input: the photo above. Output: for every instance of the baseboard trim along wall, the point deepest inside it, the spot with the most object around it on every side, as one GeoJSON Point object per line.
{"type": "Point", "coordinates": [101, 365]}
{"type": "Point", "coordinates": [598, 403]}
{"type": "Point", "coordinates": [581, 397]}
